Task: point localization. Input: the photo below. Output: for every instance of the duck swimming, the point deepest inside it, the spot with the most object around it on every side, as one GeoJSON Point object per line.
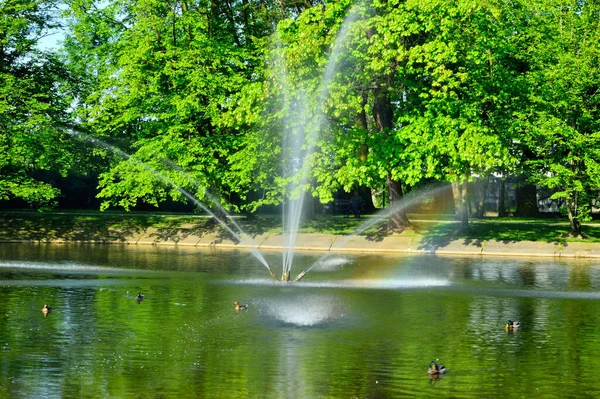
{"type": "Point", "coordinates": [436, 369]}
{"type": "Point", "coordinates": [511, 325]}
{"type": "Point", "coordinates": [46, 309]}
{"type": "Point", "coordinates": [139, 298]}
{"type": "Point", "coordinates": [239, 307]}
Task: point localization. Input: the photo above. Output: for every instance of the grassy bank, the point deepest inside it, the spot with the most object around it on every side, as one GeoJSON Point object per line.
{"type": "Point", "coordinates": [85, 225]}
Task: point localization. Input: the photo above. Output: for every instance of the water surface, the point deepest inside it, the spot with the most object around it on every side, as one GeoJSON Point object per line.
{"type": "Point", "coordinates": [363, 326]}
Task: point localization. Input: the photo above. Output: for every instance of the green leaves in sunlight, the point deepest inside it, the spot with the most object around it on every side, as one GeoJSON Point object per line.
{"type": "Point", "coordinates": [563, 116]}
{"type": "Point", "coordinates": [33, 98]}
{"type": "Point", "coordinates": [387, 96]}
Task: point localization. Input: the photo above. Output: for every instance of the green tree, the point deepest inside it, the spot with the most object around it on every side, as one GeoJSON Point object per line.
{"type": "Point", "coordinates": [33, 101]}
{"type": "Point", "coordinates": [563, 114]}
{"type": "Point", "coordinates": [426, 93]}
{"type": "Point", "coordinates": [161, 76]}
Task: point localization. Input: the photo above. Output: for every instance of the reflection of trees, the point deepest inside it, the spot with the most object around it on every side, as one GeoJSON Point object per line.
{"type": "Point", "coordinates": [527, 273]}
{"type": "Point", "coordinates": [100, 342]}
{"type": "Point", "coordinates": [579, 277]}
{"type": "Point", "coordinates": [552, 274]}
{"type": "Point", "coordinates": [556, 340]}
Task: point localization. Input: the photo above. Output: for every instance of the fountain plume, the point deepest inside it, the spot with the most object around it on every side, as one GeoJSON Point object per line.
{"type": "Point", "coordinates": [240, 239]}
{"type": "Point", "coordinates": [302, 150]}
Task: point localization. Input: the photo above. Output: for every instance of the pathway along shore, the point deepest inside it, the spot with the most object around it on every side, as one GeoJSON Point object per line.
{"type": "Point", "coordinates": [190, 237]}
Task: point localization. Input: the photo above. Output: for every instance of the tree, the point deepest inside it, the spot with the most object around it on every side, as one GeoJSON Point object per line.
{"type": "Point", "coordinates": [33, 99]}
{"type": "Point", "coordinates": [435, 81]}
{"type": "Point", "coordinates": [162, 76]}
{"type": "Point", "coordinates": [563, 116]}
{"type": "Point", "coordinates": [421, 91]}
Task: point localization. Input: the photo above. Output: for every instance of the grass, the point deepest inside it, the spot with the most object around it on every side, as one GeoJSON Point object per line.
{"type": "Point", "coordinates": [532, 231]}
{"type": "Point", "coordinates": [442, 226]}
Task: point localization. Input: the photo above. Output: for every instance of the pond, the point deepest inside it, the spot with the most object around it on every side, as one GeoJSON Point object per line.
{"type": "Point", "coordinates": [357, 326]}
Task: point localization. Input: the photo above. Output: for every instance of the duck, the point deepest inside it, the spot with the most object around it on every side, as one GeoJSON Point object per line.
{"type": "Point", "coordinates": [239, 307]}
{"type": "Point", "coordinates": [511, 325]}
{"type": "Point", "coordinates": [436, 369]}
{"type": "Point", "coordinates": [139, 298]}
{"type": "Point", "coordinates": [46, 309]}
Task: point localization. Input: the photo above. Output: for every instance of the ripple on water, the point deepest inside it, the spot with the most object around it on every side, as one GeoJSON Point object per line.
{"type": "Point", "coordinates": [68, 267]}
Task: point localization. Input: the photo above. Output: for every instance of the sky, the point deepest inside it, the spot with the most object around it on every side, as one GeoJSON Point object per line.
{"type": "Point", "coordinates": [54, 36]}
{"type": "Point", "coordinates": [51, 41]}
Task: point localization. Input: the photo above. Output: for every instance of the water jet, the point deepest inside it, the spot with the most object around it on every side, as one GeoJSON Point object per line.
{"type": "Point", "coordinates": [299, 143]}
{"type": "Point", "coordinates": [241, 238]}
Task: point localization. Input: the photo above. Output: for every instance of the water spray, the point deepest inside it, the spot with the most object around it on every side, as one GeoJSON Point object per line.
{"type": "Point", "coordinates": [409, 200]}
{"type": "Point", "coordinates": [76, 131]}
{"type": "Point", "coordinates": [302, 158]}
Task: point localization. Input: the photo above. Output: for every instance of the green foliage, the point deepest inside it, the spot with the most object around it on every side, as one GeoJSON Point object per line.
{"type": "Point", "coordinates": [206, 92]}
{"type": "Point", "coordinates": [443, 70]}
{"type": "Point", "coordinates": [163, 75]}
{"type": "Point", "coordinates": [33, 100]}
{"type": "Point", "coordinates": [563, 117]}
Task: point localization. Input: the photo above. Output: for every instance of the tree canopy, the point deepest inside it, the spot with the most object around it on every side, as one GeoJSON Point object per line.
{"type": "Point", "coordinates": [32, 98]}
{"type": "Point", "coordinates": [231, 99]}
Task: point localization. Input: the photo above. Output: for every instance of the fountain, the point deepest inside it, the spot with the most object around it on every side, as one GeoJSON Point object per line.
{"type": "Point", "coordinates": [300, 142]}
{"type": "Point", "coordinates": [241, 238]}
{"type": "Point", "coordinates": [299, 145]}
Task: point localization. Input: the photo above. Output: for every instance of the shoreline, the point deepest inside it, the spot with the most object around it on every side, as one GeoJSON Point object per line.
{"type": "Point", "coordinates": [313, 242]}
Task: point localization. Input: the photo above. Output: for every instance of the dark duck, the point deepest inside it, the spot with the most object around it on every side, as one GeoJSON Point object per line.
{"type": "Point", "coordinates": [436, 368]}
{"type": "Point", "coordinates": [511, 325]}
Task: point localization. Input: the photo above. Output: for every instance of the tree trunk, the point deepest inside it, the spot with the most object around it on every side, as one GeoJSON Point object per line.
{"type": "Point", "coordinates": [367, 197]}
{"type": "Point", "coordinates": [459, 192]}
{"type": "Point", "coordinates": [397, 220]}
{"type": "Point", "coordinates": [527, 205]}
{"type": "Point", "coordinates": [383, 114]}
{"type": "Point", "coordinates": [502, 200]}
{"type": "Point", "coordinates": [480, 209]}
{"type": "Point", "coordinates": [572, 212]}
{"type": "Point", "coordinates": [360, 121]}
{"type": "Point", "coordinates": [472, 202]}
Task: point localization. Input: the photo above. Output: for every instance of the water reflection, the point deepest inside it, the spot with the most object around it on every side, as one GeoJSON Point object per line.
{"type": "Point", "coordinates": [360, 326]}
{"type": "Point", "coordinates": [579, 274]}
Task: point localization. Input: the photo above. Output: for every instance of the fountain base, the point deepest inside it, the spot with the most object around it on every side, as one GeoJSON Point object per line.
{"type": "Point", "coordinates": [300, 276]}
{"type": "Point", "coordinates": [273, 274]}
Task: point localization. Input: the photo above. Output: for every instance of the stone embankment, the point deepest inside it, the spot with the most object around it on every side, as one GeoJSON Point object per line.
{"type": "Point", "coordinates": [310, 242]}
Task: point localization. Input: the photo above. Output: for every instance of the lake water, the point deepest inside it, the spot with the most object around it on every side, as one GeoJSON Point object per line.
{"type": "Point", "coordinates": [358, 326]}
